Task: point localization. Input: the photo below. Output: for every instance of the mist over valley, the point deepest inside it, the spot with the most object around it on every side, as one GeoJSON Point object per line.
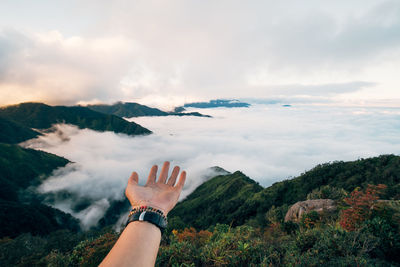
{"type": "Point", "coordinates": [268, 143]}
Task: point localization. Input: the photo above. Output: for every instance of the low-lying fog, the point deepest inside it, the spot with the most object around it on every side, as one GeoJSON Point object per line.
{"type": "Point", "coordinates": [267, 142]}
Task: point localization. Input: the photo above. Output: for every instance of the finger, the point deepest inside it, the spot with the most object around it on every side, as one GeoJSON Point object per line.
{"type": "Point", "coordinates": [164, 173]}
{"type": "Point", "coordinates": [134, 179]}
{"type": "Point", "coordinates": [173, 177]}
{"type": "Point", "coordinates": [152, 175]}
{"type": "Point", "coordinates": [181, 181]}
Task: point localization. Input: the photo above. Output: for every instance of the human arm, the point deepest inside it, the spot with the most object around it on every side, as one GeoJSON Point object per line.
{"type": "Point", "coordinates": [139, 242]}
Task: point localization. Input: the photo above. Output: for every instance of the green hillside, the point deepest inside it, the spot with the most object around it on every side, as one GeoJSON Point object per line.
{"type": "Point", "coordinates": [236, 199]}
{"type": "Point", "coordinates": [13, 133]}
{"type": "Point", "coordinates": [215, 201]}
{"type": "Point", "coordinates": [384, 169]}
{"type": "Point", "coordinates": [42, 116]}
{"type": "Point", "coordinates": [129, 110]}
{"type": "Point", "coordinates": [20, 168]}
{"type": "Point", "coordinates": [20, 211]}
{"type": "Point", "coordinates": [238, 223]}
{"type": "Point", "coordinates": [35, 218]}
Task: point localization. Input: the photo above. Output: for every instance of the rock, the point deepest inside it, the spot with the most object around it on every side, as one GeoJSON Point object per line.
{"type": "Point", "coordinates": [319, 205]}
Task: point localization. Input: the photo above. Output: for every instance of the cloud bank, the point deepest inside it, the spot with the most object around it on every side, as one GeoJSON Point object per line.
{"type": "Point", "coordinates": [266, 142]}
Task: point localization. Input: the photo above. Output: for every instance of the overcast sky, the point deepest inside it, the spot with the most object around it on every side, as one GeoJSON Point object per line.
{"type": "Point", "coordinates": [169, 52]}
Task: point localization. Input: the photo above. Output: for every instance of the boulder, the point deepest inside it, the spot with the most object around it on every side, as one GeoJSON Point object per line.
{"type": "Point", "coordinates": [319, 205]}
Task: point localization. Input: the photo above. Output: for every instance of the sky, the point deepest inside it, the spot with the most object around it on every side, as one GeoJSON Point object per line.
{"type": "Point", "coordinates": [166, 53]}
{"type": "Point", "coordinates": [268, 143]}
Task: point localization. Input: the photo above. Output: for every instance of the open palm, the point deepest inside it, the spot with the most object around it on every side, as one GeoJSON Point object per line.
{"type": "Point", "coordinates": [162, 194]}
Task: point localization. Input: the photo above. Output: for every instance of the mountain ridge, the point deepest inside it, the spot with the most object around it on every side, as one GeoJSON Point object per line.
{"type": "Point", "coordinates": [41, 116]}
{"type": "Point", "coordinates": [215, 103]}
{"type": "Point", "coordinates": [131, 109]}
{"type": "Point", "coordinates": [198, 208]}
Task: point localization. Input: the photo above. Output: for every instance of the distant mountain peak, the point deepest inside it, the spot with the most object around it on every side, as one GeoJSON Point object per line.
{"type": "Point", "coordinates": [215, 103]}
{"type": "Point", "coordinates": [131, 109]}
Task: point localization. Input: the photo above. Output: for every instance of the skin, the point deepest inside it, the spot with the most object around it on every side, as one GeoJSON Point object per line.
{"type": "Point", "coordinates": [139, 242]}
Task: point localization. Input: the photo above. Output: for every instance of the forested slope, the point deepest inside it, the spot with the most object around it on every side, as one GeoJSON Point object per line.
{"type": "Point", "coordinates": [129, 110]}
{"type": "Point", "coordinates": [42, 116]}
{"type": "Point", "coordinates": [13, 133]}
{"type": "Point", "coordinates": [239, 223]}
{"type": "Point", "coordinates": [235, 198]}
{"type": "Point", "coordinates": [214, 201]}
{"type": "Point", "coordinates": [20, 212]}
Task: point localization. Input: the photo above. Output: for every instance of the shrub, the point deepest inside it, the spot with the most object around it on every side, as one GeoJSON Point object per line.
{"type": "Point", "coordinates": [310, 219]}
{"type": "Point", "coordinates": [91, 252]}
{"type": "Point", "coordinates": [330, 246]}
{"type": "Point", "coordinates": [223, 245]}
{"type": "Point", "coordinates": [276, 215]}
{"type": "Point", "coordinates": [327, 191]}
{"type": "Point", "coordinates": [361, 205]}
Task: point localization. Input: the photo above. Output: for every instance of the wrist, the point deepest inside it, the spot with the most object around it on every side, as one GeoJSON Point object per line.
{"type": "Point", "coordinates": [150, 215]}
{"type": "Point", "coordinates": [142, 204]}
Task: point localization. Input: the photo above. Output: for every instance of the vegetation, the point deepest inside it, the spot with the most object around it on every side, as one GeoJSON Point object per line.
{"type": "Point", "coordinates": [41, 116]}
{"type": "Point", "coordinates": [20, 209]}
{"type": "Point", "coordinates": [215, 201]}
{"type": "Point", "coordinates": [129, 110]}
{"type": "Point", "coordinates": [327, 192]}
{"type": "Point", "coordinates": [35, 218]}
{"type": "Point", "coordinates": [59, 248]}
{"type": "Point", "coordinates": [13, 133]}
{"type": "Point", "coordinates": [21, 168]}
{"type": "Point", "coordinates": [230, 220]}
{"type": "Point", "coordinates": [345, 176]}
{"type": "Point", "coordinates": [244, 201]}
{"type": "Point", "coordinates": [316, 241]}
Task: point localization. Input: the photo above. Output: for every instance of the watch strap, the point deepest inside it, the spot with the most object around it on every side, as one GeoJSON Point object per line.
{"type": "Point", "coordinates": [149, 216]}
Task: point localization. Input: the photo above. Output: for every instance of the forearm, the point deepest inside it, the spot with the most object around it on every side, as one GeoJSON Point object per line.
{"type": "Point", "coordinates": [139, 242]}
{"type": "Point", "coordinates": [137, 246]}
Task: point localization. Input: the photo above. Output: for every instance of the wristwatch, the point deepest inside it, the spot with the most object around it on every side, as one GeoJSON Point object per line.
{"type": "Point", "coordinates": [149, 216]}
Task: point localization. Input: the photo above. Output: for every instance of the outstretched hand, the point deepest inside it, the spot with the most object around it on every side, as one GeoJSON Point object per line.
{"type": "Point", "coordinates": [162, 194]}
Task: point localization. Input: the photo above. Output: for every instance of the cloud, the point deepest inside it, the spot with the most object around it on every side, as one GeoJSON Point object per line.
{"type": "Point", "coordinates": [180, 51]}
{"type": "Point", "coordinates": [312, 90]}
{"type": "Point", "coordinates": [52, 68]}
{"type": "Point", "coordinates": [266, 142]}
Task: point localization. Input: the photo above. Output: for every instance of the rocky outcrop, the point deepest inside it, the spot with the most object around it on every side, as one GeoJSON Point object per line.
{"type": "Point", "coordinates": [302, 207]}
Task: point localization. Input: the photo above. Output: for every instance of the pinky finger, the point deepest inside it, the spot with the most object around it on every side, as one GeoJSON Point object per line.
{"type": "Point", "coordinates": [182, 180]}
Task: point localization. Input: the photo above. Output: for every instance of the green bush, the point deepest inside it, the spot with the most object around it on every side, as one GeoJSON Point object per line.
{"type": "Point", "coordinates": [310, 219]}
{"type": "Point", "coordinates": [91, 252]}
{"type": "Point", "coordinates": [240, 246]}
{"type": "Point", "coordinates": [276, 214]}
{"type": "Point", "coordinates": [330, 247]}
{"type": "Point", "coordinates": [327, 192]}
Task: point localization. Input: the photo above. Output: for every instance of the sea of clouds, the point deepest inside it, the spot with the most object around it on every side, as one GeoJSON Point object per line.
{"type": "Point", "coordinates": [268, 143]}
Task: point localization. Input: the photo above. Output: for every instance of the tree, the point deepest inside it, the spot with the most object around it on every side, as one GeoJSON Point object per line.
{"type": "Point", "coordinates": [361, 204]}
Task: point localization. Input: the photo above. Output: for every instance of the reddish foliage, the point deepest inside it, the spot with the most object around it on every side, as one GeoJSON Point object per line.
{"type": "Point", "coordinates": [190, 234]}
{"type": "Point", "coordinates": [361, 205]}
{"type": "Point", "coordinates": [94, 252]}
{"type": "Point", "coordinates": [308, 223]}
